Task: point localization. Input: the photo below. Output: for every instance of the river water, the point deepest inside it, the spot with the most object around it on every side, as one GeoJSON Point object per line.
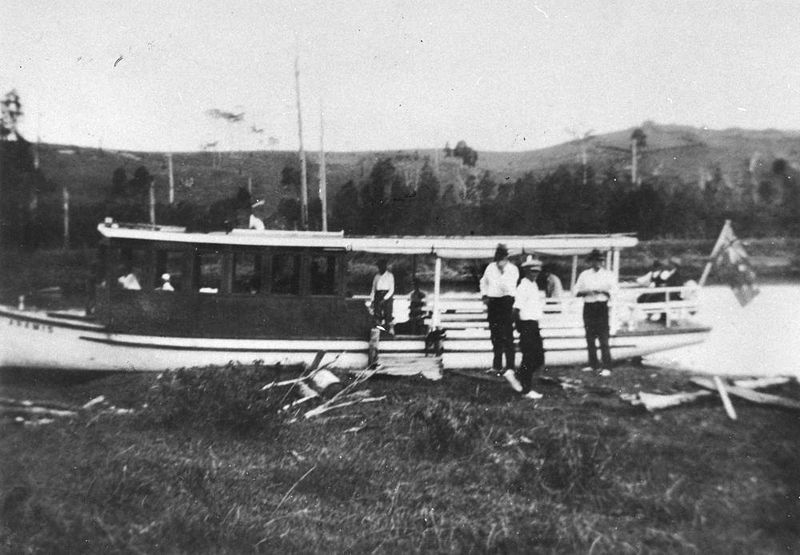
{"type": "Point", "coordinates": [760, 339]}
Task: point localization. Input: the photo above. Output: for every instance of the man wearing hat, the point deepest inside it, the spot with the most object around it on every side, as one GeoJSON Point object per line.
{"type": "Point", "coordinates": [595, 286]}
{"type": "Point", "coordinates": [528, 310]}
{"type": "Point", "coordinates": [498, 286]}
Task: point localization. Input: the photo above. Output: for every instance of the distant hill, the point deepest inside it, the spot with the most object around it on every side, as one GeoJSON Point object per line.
{"type": "Point", "coordinates": [684, 153]}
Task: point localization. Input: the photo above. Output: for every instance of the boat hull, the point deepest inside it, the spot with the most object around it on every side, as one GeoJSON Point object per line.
{"type": "Point", "coordinates": [40, 340]}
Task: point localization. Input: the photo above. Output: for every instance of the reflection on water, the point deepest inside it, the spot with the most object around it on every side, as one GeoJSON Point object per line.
{"type": "Point", "coordinates": [762, 338]}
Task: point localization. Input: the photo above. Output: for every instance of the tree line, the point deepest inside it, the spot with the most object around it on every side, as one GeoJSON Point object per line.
{"type": "Point", "coordinates": [567, 200]}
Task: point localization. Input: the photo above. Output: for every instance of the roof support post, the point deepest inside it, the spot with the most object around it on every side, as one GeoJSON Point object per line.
{"type": "Point", "coordinates": [574, 276]}
{"type": "Point", "coordinates": [437, 278]}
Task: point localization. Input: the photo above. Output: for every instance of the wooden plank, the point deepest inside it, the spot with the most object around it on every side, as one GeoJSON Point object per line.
{"type": "Point", "coordinates": [726, 401]}
{"type": "Point", "coordinates": [750, 395]}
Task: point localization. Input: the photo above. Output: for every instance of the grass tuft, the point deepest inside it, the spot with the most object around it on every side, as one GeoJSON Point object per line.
{"type": "Point", "coordinates": [228, 398]}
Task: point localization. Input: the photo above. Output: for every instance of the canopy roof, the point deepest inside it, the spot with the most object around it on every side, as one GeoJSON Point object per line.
{"type": "Point", "coordinates": [442, 246]}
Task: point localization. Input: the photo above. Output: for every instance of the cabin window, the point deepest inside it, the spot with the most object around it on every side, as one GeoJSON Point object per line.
{"type": "Point", "coordinates": [171, 263]}
{"type": "Point", "coordinates": [246, 272]}
{"type": "Point", "coordinates": [323, 275]}
{"type": "Point", "coordinates": [131, 268]}
{"type": "Point", "coordinates": [208, 271]}
{"type": "Point", "coordinates": [286, 274]}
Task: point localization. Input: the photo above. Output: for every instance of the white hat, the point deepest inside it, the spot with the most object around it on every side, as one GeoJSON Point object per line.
{"type": "Point", "coordinates": [532, 262]}
{"type": "Point", "coordinates": [165, 277]}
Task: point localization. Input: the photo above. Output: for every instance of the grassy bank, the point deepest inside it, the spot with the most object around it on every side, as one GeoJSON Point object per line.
{"type": "Point", "coordinates": [460, 465]}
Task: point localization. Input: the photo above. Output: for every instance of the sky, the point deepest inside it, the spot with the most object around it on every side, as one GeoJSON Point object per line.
{"type": "Point", "coordinates": [382, 75]}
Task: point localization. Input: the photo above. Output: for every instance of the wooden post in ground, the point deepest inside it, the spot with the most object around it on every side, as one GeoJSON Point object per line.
{"type": "Point", "coordinates": [323, 179]}
{"type": "Point", "coordinates": [374, 342]}
{"type": "Point", "coordinates": [303, 174]}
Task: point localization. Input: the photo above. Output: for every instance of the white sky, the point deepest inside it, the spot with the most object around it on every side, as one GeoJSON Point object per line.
{"type": "Point", "coordinates": [502, 75]}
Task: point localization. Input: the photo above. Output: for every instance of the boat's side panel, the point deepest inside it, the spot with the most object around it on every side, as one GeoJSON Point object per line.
{"type": "Point", "coordinates": [233, 316]}
{"type": "Point", "coordinates": [569, 348]}
{"type": "Point", "coordinates": [34, 340]}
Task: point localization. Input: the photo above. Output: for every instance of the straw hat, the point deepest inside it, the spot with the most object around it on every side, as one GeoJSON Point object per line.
{"type": "Point", "coordinates": [532, 263]}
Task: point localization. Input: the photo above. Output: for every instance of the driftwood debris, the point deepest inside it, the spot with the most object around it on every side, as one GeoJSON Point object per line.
{"type": "Point", "coordinates": [655, 401]}
{"type": "Point", "coordinates": [726, 401]}
{"type": "Point", "coordinates": [744, 389]}
{"type": "Point", "coordinates": [750, 395]}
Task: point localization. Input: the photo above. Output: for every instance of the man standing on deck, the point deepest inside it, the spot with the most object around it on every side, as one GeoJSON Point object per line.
{"type": "Point", "coordinates": [383, 297]}
{"type": "Point", "coordinates": [498, 286]}
{"type": "Point", "coordinates": [528, 310]}
{"type": "Point", "coordinates": [595, 285]}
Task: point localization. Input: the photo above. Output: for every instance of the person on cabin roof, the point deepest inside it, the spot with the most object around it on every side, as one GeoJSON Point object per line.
{"type": "Point", "coordinates": [128, 280]}
{"type": "Point", "coordinates": [498, 287]}
{"type": "Point", "coordinates": [596, 285]}
{"type": "Point", "coordinates": [528, 311]}
{"type": "Point", "coordinates": [382, 297]}
{"type": "Point", "coordinates": [165, 283]}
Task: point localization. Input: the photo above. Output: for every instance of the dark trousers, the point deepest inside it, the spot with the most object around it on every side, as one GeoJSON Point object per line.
{"type": "Point", "coordinates": [595, 322]}
{"type": "Point", "coordinates": [532, 349]}
{"type": "Point", "coordinates": [501, 329]}
{"type": "Point", "coordinates": [383, 309]}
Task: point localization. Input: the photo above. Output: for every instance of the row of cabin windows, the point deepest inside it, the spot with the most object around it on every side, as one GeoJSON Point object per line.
{"type": "Point", "coordinates": [250, 272]}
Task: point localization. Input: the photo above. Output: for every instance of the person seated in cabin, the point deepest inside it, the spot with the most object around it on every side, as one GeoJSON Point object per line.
{"type": "Point", "coordinates": [666, 274]}
{"type": "Point", "coordinates": [128, 280]}
{"type": "Point", "coordinates": [550, 283]}
{"type": "Point", "coordinates": [256, 223]}
{"type": "Point", "coordinates": [382, 297]}
{"type": "Point", "coordinates": [653, 278]}
{"type": "Point", "coordinates": [166, 285]}
{"type": "Point", "coordinates": [416, 313]}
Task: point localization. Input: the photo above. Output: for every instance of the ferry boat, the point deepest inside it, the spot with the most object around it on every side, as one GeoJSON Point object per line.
{"type": "Point", "coordinates": [280, 297]}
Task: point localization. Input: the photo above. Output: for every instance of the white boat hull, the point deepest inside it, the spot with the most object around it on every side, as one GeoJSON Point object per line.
{"type": "Point", "coordinates": [30, 339]}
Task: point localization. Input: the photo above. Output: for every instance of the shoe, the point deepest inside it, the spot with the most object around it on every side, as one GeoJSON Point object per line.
{"type": "Point", "coordinates": [534, 395]}
{"type": "Point", "coordinates": [605, 372]}
{"type": "Point", "coordinates": [512, 379]}
{"type": "Point", "coordinates": [494, 372]}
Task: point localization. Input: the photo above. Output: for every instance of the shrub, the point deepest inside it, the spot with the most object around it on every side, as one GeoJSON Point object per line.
{"type": "Point", "coordinates": [229, 398]}
{"type": "Point", "coordinates": [443, 428]}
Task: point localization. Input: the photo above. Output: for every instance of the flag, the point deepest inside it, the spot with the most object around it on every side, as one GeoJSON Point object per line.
{"type": "Point", "coordinates": [733, 264]}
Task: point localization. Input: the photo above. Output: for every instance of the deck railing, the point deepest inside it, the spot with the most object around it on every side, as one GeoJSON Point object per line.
{"type": "Point", "coordinates": [466, 311]}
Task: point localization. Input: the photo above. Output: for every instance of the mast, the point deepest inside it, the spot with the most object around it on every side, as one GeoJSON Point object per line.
{"type": "Point", "coordinates": [303, 175]}
{"type": "Point", "coordinates": [323, 180]}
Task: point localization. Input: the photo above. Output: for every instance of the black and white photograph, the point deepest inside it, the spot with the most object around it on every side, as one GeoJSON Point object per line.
{"type": "Point", "coordinates": [399, 277]}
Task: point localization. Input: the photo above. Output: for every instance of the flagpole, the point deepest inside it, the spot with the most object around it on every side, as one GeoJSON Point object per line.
{"type": "Point", "coordinates": [717, 246]}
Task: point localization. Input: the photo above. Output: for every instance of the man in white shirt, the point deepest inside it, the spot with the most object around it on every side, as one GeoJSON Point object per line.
{"type": "Point", "coordinates": [528, 310]}
{"type": "Point", "coordinates": [382, 296]}
{"type": "Point", "coordinates": [595, 285]}
{"type": "Point", "coordinates": [128, 280]}
{"type": "Point", "coordinates": [498, 287]}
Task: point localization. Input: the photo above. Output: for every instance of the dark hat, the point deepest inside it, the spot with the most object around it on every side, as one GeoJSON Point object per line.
{"type": "Point", "coordinates": [595, 255]}
{"type": "Point", "coordinates": [532, 263]}
{"type": "Point", "coordinates": [500, 252]}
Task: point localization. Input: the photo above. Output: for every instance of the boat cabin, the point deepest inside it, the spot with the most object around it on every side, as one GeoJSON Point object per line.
{"type": "Point", "coordinates": [225, 285]}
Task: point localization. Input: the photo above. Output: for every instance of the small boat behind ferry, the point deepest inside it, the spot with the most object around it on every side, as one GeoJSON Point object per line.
{"type": "Point", "coordinates": [168, 298]}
